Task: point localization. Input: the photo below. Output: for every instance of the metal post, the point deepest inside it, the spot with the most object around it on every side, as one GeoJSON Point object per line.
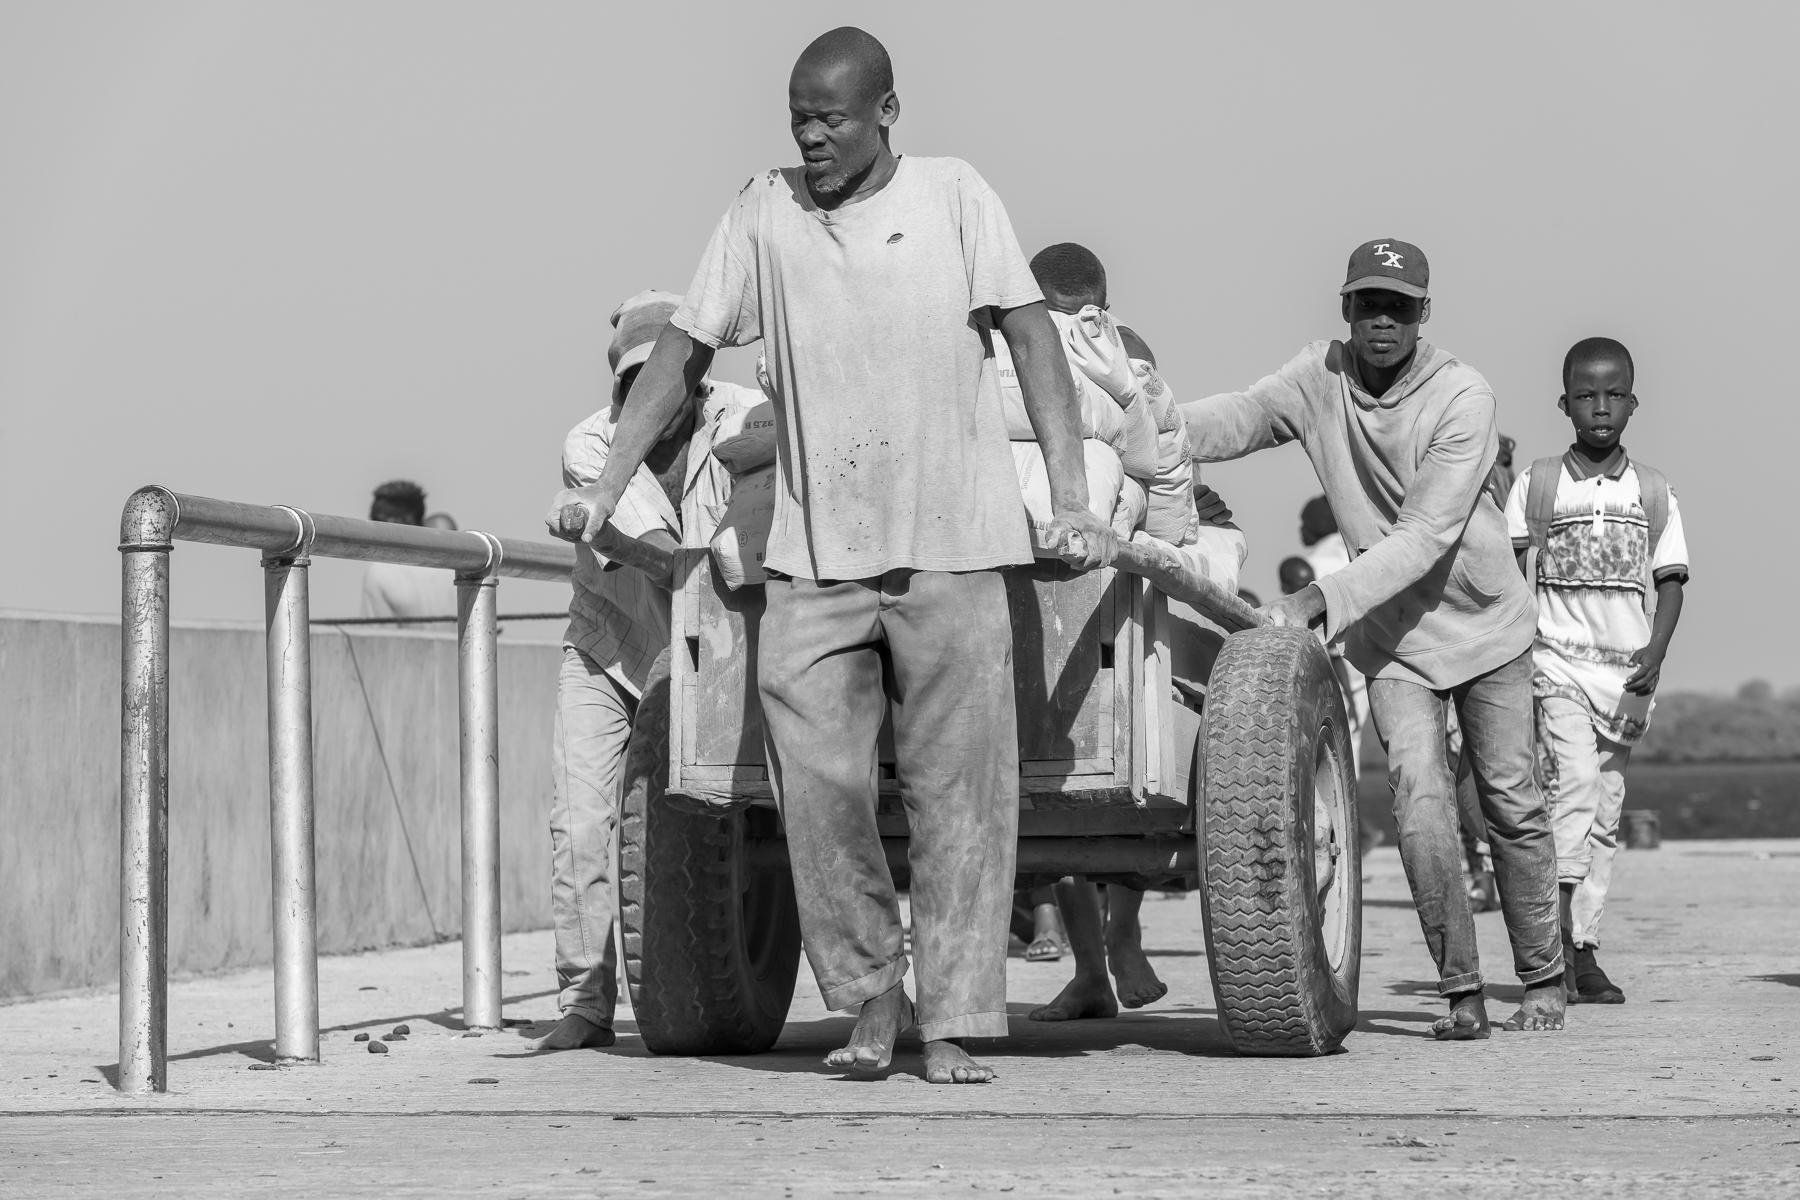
{"type": "Point", "coordinates": [293, 896]}
{"type": "Point", "coordinates": [480, 753]}
{"type": "Point", "coordinates": [145, 540]}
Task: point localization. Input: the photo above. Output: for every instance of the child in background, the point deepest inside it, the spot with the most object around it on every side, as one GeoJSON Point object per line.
{"type": "Point", "coordinates": [1604, 535]}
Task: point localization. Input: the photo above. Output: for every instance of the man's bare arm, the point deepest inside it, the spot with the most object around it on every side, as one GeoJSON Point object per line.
{"type": "Point", "coordinates": [1051, 404]}
{"type": "Point", "coordinates": [675, 368]}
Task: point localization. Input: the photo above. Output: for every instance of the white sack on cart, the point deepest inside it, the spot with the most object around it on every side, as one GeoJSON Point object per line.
{"type": "Point", "coordinates": [742, 541]}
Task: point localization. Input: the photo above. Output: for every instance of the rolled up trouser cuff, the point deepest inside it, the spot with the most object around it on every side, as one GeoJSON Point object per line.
{"type": "Point", "coordinates": [1544, 974]}
{"type": "Point", "coordinates": [882, 979]}
{"type": "Point", "coordinates": [1573, 870]}
{"type": "Point", "coordinates": [981, 1024]}
{"type": "Point", "coordinates": [1469, 982]}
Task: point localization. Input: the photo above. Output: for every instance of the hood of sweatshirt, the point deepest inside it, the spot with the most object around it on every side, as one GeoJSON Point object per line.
{"type": "Point", "coordinates": [1427, 361]}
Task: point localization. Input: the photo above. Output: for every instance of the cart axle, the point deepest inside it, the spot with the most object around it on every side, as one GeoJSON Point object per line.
{"type": "Point", "coordinates": [1154, 856]}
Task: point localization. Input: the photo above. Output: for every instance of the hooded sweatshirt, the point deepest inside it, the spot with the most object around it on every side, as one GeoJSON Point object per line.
{"type": "Point", "coordinates": [1432, 594]}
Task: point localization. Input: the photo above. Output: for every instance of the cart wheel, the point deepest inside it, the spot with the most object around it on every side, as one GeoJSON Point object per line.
{"type": "Point", "coordinates": [711, 948]}
{"type": "Point", "coordinates": [1280, 876]}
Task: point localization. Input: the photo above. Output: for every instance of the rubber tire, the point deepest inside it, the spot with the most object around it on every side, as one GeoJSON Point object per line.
{"type": "Point", "coordinates": [710, 956]}
{"type": "Point", "coordinates": [1272, 703]}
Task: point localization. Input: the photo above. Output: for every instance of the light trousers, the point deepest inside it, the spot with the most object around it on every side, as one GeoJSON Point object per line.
{"type": "Point", "coordinates": [933, 651]}
{"type": "Point", "coordinates": [593, 727]}
{"type": "Point", "coordinates": [1584, 782]}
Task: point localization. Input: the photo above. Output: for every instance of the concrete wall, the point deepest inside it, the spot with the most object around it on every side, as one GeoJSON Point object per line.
{"type": "Point", "coordinates": [389, 859]}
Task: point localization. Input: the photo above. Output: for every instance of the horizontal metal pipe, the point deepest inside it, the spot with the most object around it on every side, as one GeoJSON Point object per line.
{"type": "Point", "coordinates": [280, 531]}
{"type": "Point", "coordinates": [1173, 855]}
{"type": "Point", "coordinates": [229, 523]}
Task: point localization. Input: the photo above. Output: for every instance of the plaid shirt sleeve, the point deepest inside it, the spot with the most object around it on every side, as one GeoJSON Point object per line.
{"type": "Point", "coordinates": [644, 507]}
{"type": "Point", "coordinates": [617, 617]}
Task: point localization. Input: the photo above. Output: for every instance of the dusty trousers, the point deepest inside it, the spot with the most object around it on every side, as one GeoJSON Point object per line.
{"type": "Point", "coordinates": [1495, 712]}
{"type": "Point", "coordinates": [933, 650]}
{"type": "Point", "coordinates": [593, 727]}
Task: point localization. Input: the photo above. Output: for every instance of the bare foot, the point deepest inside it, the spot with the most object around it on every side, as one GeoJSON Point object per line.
{"type": "Point", "coordinates": [1131, 970]}
{"type": "Point", "coordinates": [1541, 1010]}
{"type": "Point", "coordinates": [1087, 995]}
{"type": "Point", "coordinates": [1467, 1022]}
{"type": "Point", "coordinates": [945, 1062]}
{"type": "Point", "coordinates": [878, 1027]}
{"type": "Point", "coordinates": [574, 1032]}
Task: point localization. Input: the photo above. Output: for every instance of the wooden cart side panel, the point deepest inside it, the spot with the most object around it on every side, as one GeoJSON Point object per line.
{"type": "Point", "coordinates": [1079, 678]}
{"type": "Point", "coordinates": [1128, 665]}
{"type": "Point", "coordinates": [690, 569]}
{"type": "Point", "coordinates": [1058, 689]}
{"type": "Point", "coordinates": [1156, 731]}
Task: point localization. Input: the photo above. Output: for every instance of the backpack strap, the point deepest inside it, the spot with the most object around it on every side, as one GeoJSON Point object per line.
{"type": "Point", "coordinates": [1540, 510]}
{"type": "Point", "coordinates": [1653, 494]}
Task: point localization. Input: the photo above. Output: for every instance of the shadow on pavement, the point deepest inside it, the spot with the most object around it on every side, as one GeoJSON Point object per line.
{"type": "Point", "coordinates": [804, 1044]}
{"type": "Point", "coordinates": [263, 1049]}
{"type": "Point", "coordinates": [260, 1050]}
{"type": "Point", "coordinates": [1789, 980]}
{"type": "Point", "coordinates": [1365, 1021]}
{"type": "Point", "coordinates": [1503, 993]}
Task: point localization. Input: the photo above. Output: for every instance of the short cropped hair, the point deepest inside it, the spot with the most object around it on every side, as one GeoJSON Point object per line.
{"type": "Point", "coordinates": [862, 51]}
{"type": "Point", "coordinates": [1295, 573]}
{"type": "Point", "coordinates": [1317, 520]}
{"type": "Point", "coordinates": [1071, 271]}
{"type": "Point", "coordinates": [1589, 349]}
{"type": "Point", "coordinates": [400, 496]}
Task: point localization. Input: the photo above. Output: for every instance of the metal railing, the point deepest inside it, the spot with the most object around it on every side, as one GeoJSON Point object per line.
{"type": "Point", "coordinates": [289, 538]}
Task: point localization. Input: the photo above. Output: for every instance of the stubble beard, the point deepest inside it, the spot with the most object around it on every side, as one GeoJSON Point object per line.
{"type": "Point", "coordinates": [833, 184]}
{"type": "Point", "coordinates": [836, 183]}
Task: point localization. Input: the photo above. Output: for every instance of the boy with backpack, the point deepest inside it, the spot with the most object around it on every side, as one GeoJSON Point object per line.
{"type": "Point", "coordinates": [1600, 535]}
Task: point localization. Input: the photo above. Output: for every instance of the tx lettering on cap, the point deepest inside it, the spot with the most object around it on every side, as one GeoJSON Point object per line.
{"type": "Point", "coordinates": [1389, 265]}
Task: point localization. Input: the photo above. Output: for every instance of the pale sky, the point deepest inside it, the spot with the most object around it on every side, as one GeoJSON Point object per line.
{"type": "Point", "coordinates": [282, 252]}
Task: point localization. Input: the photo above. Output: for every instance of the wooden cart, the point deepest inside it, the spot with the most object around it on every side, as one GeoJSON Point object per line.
{"type": "Point", "coordinates": [1121, 780]}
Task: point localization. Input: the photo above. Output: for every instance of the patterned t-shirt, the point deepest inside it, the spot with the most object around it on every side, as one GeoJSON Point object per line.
{"type": "Point", "coordinates": [1590, 590]}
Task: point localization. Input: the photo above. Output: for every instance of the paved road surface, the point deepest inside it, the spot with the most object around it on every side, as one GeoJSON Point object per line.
{"type": "Point", "coordinates": [1691, 1087]}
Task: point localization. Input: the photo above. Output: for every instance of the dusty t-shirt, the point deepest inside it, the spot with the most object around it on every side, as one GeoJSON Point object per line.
{"type": "Point", "coordinates": [893, 451]}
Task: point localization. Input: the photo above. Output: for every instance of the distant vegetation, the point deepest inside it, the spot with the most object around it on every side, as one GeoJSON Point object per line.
{"type": "Point", "coordinates": [1756, 725]}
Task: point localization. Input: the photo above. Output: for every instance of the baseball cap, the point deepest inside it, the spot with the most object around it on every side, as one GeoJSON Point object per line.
{"type": "Point", "coordinates": [1389, 265]}
{"type": "Point", "coordinates": [636, 324]}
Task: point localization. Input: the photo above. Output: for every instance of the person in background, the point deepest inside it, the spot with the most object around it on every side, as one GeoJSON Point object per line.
{"type": "Point", "coordinates": [1294, 573]}
{"type": "Point", "coordinates": [1104, 930]}
{"type": "Point", "coordinates": [1325, 553]}
{"type": "Point", "coordinates": [1038, 924]}
{"type": "Point", "coordinates": [441, 520]}
{"type": "Point", "coordinates": [1325, 549]}
{"type": "Point", "coordinates": [1500, 479]}
{"type": "Point", "coordinates": [618, 624]}
{"type": "Point", "coordinates": [399, 590]}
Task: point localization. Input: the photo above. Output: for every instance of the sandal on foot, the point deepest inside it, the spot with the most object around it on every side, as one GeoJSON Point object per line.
{"type": "Point", "coordinates": [1045, 949]}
